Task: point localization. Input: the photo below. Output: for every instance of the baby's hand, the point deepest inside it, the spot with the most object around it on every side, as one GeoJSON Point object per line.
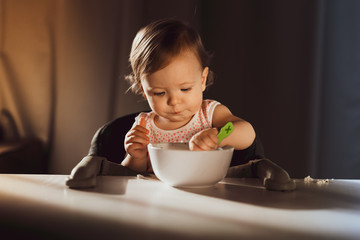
{"type": "Point", "coordinates": [204, 140]}
{"type": "Point", "coordinates": [136, 140]}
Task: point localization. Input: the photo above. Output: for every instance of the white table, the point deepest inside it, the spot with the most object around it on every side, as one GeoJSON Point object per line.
{"type": "Point", "coordinates": [41, 206]}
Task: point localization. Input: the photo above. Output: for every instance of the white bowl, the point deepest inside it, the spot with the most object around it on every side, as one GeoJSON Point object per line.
{"type": "Point", "coordinates": [176, 165]}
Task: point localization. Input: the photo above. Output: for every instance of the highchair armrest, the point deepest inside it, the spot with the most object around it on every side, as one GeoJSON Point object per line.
{"type": "Point", "coordinates": [84, 174]}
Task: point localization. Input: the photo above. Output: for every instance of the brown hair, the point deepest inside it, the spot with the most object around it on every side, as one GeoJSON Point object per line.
{"type": "Point", "coordinates": [155, 45]}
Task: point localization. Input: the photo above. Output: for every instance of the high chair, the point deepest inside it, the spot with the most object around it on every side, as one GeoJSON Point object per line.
{"type": "Point", "coordinates": [107, 151]}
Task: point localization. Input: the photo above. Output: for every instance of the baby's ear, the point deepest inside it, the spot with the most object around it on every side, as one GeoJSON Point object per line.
{"type": "Point", "coordinates": [204, 76]}
{"type": "Point", "coordinates": [142, 90]}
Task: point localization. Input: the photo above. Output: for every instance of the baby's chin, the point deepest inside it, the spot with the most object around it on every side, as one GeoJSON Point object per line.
{"type": "Point", "coordinates": [180, 117]}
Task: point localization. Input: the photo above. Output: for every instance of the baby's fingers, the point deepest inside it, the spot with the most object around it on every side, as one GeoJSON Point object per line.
{"type": "Point", "coordinates": [204, 144]}
{"type": "Point", "coordinates": [140, 129]}
{"type": "Point", "coordinates": [137, 137]}
{"type": "Point", "coordinates": [135, 147]}
{"type": "Point", "coordinates": [136, 150]}
{"type": "Point", "coordinates": [194, 147]}
{"type": "Point", "coordinates": [204, 140]}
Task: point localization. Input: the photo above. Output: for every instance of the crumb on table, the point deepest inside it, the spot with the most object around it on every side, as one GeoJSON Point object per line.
{"type": "Point", "coordinates": [309, 179]}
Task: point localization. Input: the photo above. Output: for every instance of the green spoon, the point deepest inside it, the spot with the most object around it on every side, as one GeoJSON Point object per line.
{"type": "Point", "coordinates": [225, 131]}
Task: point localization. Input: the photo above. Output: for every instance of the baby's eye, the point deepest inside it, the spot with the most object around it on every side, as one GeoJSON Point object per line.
{"type": "Point", "coordinates": [185, 89]}
{"type": "Point", "coordinates": [159, 93]}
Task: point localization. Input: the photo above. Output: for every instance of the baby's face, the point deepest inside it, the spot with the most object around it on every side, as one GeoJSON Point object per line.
{"type": "Point", "coordinates": [174, 93]}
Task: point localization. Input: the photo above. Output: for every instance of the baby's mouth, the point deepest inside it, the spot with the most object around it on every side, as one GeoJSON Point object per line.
{"type": "Point", "coordinates": [175, 112]}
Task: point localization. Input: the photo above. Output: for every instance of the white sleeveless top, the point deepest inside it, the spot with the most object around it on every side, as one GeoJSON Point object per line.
{"type": "Point", "coordinates": [200, 121]}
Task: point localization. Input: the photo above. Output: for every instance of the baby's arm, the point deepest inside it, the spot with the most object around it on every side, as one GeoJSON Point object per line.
{"type": "Point", "coordinates": [136, 141]}
{"type": "Point", "coordinates": [241, 138]}
{"type": "Point", "coordinates": [243, 134]}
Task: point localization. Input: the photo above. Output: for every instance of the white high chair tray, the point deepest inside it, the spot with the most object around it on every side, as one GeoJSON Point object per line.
{"type": "Point", "coordinates": [42, 207]}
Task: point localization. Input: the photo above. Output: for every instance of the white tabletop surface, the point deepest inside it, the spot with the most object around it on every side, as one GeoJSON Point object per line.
{"type": "Point", "coordinates": [41, 206]}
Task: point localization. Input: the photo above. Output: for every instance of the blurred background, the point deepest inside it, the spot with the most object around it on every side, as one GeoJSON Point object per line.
{"type": "Point", "coordinates": [291, 68]}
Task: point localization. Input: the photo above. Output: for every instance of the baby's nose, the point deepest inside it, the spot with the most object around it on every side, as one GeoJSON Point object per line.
{"type": "Point", "coordinates": [173, 100]}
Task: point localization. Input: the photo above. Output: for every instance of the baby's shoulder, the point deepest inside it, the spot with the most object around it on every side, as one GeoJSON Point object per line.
{"type": "Point", "coordinates": [208, 105]}
{"type": "Point", "coordinates": [146, 115]}
{"type": "Point", "coordinates": [209, 102]}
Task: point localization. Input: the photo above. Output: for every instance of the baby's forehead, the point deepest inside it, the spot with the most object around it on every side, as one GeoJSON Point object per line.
{"type": "Point", "coordinates": [165, 56]}
{"type": "Point", "coordinates": [183, 63]}
{"type": "Point", "coordinates": [185, 55]}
